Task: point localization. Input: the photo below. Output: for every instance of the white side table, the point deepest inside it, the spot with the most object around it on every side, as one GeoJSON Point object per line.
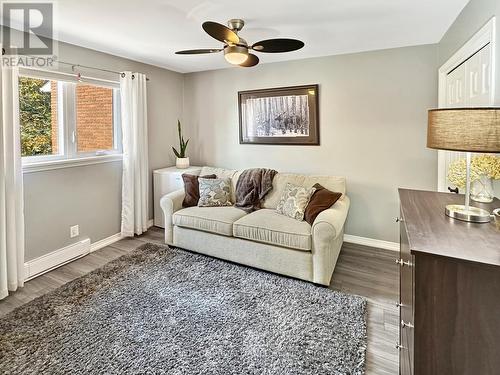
{"type": "Point", "coordinates": [165, 181]}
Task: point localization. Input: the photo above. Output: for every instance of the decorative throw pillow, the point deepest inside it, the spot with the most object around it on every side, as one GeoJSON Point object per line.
{"type": "Point", "coordinates": [192, 190]}
{"type": "Point", "coordinates": [215, 192]}
{"type": "Point", "coordinates": [321, 200]}
{"type": "Point", "coordinates": [294, 200]}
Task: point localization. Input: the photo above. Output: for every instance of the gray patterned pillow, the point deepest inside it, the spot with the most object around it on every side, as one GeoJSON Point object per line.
{"type": "Point", "coordinates": [215, 192]}
{"type": "Point", "coordinates": [294, 200]}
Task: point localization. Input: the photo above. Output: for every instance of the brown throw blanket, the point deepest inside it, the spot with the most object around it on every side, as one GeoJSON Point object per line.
{"type": "Point", "coordinates": [252, 187]}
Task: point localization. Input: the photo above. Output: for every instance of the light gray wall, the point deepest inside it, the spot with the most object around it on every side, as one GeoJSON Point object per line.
{"type": "Point", "coordinates": [474, 16]}
{"type": "Point", "coordinates": [91, 195]}
{"type": "Point", "coordinates": [373, 118]}
{"type": "Point", "coordinates": [54, 200]}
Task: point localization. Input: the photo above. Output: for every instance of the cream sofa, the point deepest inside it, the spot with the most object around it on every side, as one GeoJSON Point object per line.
{"type": "Point", "coordinates": [263, 239]}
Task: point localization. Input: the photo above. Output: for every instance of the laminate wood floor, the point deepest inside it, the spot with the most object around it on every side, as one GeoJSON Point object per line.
{"type": "Point", "coordinates": [361, 270]}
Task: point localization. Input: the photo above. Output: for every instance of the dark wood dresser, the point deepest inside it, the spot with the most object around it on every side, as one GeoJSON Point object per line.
{"type": "Point", "coordinates": [449, 289]}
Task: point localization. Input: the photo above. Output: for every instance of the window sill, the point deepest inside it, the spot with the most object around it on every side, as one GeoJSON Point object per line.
{"type": "Point", "coordinates": [69, 163]}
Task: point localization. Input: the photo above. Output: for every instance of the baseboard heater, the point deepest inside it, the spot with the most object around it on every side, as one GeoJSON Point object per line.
{"type": "Point", "coordinates": [48, 262]}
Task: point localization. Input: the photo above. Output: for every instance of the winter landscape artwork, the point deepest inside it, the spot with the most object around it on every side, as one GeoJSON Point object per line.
{"type": "Point", "coordinates": [279, 116]}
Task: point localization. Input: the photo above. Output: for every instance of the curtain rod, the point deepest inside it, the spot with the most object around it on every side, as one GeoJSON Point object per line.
{"type": "Point", "coordinates": [91, 67]}
{"type": "Point", "coordinates": [25, 69]}
{"type": "Point", "coordinates": [83, 66]}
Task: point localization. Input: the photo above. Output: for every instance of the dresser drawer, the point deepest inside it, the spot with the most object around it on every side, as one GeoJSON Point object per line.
{"type": "Point", "coordinates": [406, 317]}
{"type": "Point", "coordinates": [406, 264]}
{"type": "Point", "coordinates": [406, 272]}
{"type": "Point", "coordinates": [405, 367]}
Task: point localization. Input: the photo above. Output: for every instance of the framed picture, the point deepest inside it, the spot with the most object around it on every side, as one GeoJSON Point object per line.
{"type": "Point", "coordinates": [279, 116]}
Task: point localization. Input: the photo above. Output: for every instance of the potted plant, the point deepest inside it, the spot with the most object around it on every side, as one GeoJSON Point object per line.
{"type": "Point", "coordinates": [484, 169]}
{"type": "Point", "coordinates": [182, 161]}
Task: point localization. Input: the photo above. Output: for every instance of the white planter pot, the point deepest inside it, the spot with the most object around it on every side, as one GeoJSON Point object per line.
{"type": "Point", "coordinates": [182, 163]}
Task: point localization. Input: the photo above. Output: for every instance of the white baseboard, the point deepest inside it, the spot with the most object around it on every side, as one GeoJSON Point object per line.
{"type": "Point", "coordinates": [394, 246]}
{"type": "Point", "coordinates": [45, 263]}
{"type": "Point", "coordinates": [57, 258]}
{"type": "Point", "coordinates": [112, 239]}
{"type": "Point", "coordinates": [105, 242]}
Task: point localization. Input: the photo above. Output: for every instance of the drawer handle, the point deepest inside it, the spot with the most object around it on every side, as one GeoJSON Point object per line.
{"type": "Point", "coordinates": [399, 346]}
{"type": "Point", "coordinates": [406, 325]}
{"type": "Point", "coordinates": [403, 263]}
{"type": "Point", "coordinates": [399, 220]}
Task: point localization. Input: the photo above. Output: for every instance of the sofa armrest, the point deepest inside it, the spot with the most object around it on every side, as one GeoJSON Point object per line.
{"type": "Point", "coordinates": [327, 236]}
{"type": "Point", "coordinates": [334, 217]}
{"type": "Point", "coordinates": [170, 203]}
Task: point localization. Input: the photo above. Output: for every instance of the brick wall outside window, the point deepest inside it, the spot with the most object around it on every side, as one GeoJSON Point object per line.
{"type": "Point", "coordinates": [94, 117]}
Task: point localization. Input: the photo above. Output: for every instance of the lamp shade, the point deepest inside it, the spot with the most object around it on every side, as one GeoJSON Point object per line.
{"type": "Point", "coordinates": [464, 129]}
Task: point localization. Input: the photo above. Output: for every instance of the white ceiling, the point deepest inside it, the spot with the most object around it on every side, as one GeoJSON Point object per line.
{"type": "Point", "coordinates": [151, 31]}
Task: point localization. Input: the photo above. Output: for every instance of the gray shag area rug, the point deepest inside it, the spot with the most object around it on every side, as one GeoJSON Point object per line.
{"type": "Point", "coordinates": [168, 311]}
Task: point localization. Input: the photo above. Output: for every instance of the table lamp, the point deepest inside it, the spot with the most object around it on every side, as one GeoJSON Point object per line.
{"type": "Point", "coordinates": [467, 130]}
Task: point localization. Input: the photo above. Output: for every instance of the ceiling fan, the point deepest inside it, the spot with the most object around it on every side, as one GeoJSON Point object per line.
{"type": "Point", "coordinates": [236, 49]}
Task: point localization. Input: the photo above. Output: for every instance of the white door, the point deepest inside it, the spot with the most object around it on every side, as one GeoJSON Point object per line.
{"type": "Point", "coordinates": [478, 78]}
{"type": "Point", "coordinates": [468, 85]}
{"type": "Point", "coordinates": [455, 87]}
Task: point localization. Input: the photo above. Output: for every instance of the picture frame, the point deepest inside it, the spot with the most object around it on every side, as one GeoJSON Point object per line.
{"type": "Point", "coordinates": [279, 116]}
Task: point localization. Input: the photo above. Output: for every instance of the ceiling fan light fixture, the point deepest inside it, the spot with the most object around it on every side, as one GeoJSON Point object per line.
{"type": "Point", "coordinates": [235, 55]}
{"type": "Point", "coordinates": [236, 49]}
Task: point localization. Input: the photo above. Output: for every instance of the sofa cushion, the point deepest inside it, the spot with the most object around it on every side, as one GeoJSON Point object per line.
{"type": "Point", "coordinates": [192, 189]}
{"type": "Point", "coordinates": [333, 183]}
{"type": "Point", "coordinates": [214, 192]}
{"type": "Point", "coordinates": [294, 200]}
{"type": "Point", "coordinates": [217, 220]}
{"type": "Point", "coordinates": [219, 172]}
{"type": "Point", "coordinates": [321, 200]}
{"type": "Point", "coordinates": [224, 173]}
{"type": "Point", "coordinates": [268, 226]}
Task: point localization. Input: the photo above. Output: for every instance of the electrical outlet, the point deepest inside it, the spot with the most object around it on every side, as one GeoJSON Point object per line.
{"type": "Point", "coordinates": [74, 231]}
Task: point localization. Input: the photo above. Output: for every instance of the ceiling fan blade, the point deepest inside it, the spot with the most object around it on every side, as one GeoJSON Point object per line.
{"type": "Point", "coordinates": [220, 32]}
{"type": "Point", "coordinates": [252, 60]}
{"type": "Point", "coordinates": [278, 45]}
{"type": "Point", "coordinates": [198, 51]}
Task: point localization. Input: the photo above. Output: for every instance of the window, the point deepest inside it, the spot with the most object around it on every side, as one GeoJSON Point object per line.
{"type": "Point", "coordinates": [63, 119]}
{"type": "Point", "coordinates": [94, 118]}
{"type": "Point", "coordinates": [38, 117]}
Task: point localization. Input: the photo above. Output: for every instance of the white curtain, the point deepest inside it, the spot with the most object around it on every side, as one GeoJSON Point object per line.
{"type": "Point", "coordinates": [11, 186]}
{"type": "Point", "coordinates": [135, 181]}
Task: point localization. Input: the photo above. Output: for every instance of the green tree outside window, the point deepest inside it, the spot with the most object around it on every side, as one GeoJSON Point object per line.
{"type": "Point", "coordinates": [35, 117]}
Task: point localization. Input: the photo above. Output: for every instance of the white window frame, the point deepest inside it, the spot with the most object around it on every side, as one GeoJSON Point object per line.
{"type": "Point", "coordinates": [68, 155]}
{"type": "Point", "coordinates": [61, 130]}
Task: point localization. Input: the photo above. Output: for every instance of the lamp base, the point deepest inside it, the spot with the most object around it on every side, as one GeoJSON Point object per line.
{"type": "Point", "coordinates": [473, 214]}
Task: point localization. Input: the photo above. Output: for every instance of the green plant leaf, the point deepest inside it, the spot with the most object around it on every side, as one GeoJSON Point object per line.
{"type": "Point", "coordinates": [182, 143]}
{"type": "Point", "coordinates": [176, 152]}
